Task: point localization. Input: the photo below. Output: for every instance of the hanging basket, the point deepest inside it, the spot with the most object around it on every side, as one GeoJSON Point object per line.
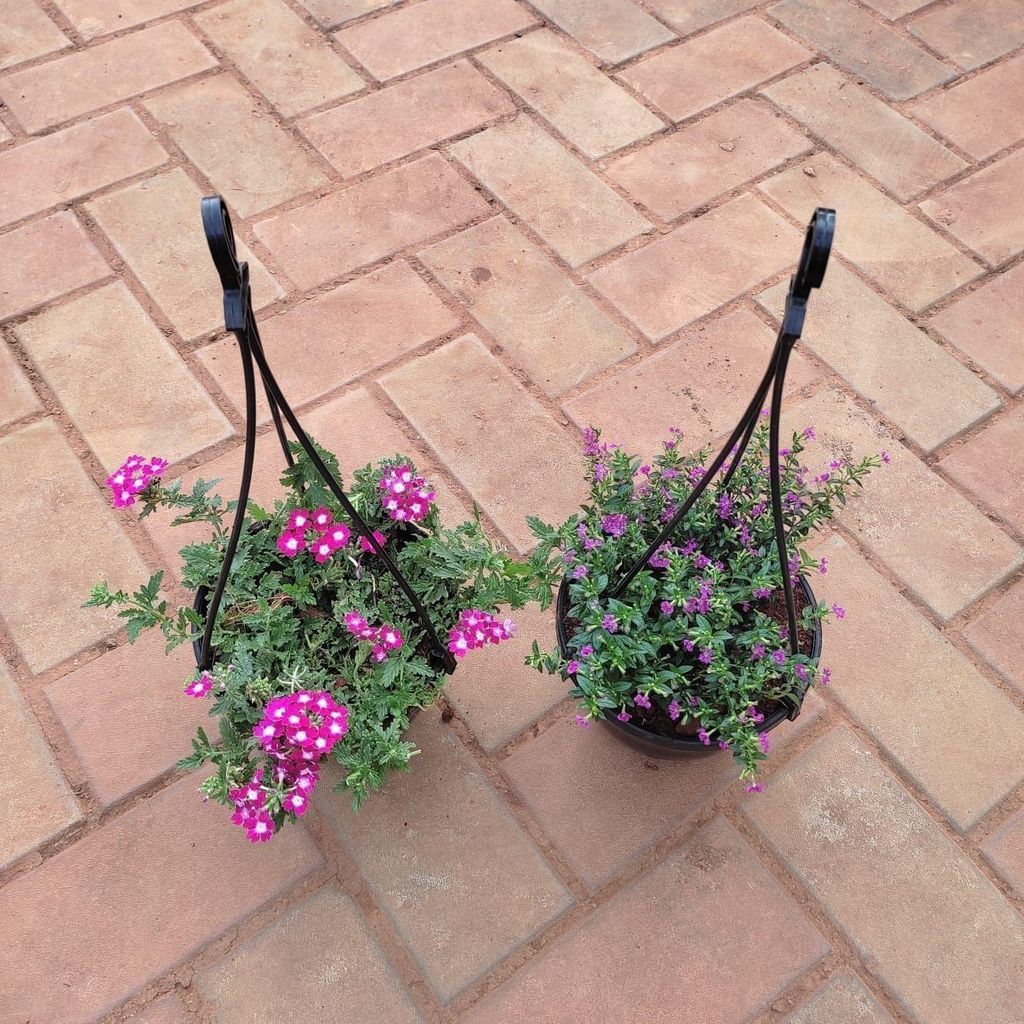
{"type": "Point", "coordinates": [809, 275]}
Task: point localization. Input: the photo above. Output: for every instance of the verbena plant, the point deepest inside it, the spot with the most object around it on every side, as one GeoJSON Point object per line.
{"type": "Point", "coordinates": [696, 644]}
{"type": "Point", "coordinates": [319, 652]}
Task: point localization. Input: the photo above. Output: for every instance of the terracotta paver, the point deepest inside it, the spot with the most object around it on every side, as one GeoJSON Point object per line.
{"type": "Point", "coordinates": [912, 263]}
{"type": "Point", "coordinates": [686, 79]}
{"type": "Point", "coordinates": [539, 180]}
{"type": "Point", "coordinates": [888, 360]}
{"type": "Point", "coordinates": [341, 232]}
{"type": "Point", "coordinates": [405, 117]}
{"type": "Point", "coordinates": [533, 310]}
{"type": "Point", "coordinates": [453, 848]}
{"type": "Point", "coordinates": [179, 276]}
{"type": "Point", "coordinates": [73, 162]}
{"type": "Point", "coordinates": [50, 574]}
{"type": "Point", "coordinates": [177, 897]}
{"type": "Point", "coordinates": [612, 195]}
{"type": "Point", "coordinates": [44, 260]}
{"type": "Point", "coordinates": [842, 998]}
{"type": "Point", "coordinates": [630, 952]}
{"type": "Point", "coordinates": [59, 90]}
{"type": "Point", "coordinates": [936, 931]}
{"type": "Point", "coordinates": [696, 268]}
{"type": "Point", "coordinates": [337, 963]}
{"type": "Point", "coordinates": [592, 112]}
{"type": "Point", "coordinates": [612, 30]}
{"type": "Point", "coordinates": [290, 63]}
{"type": "Point", "coordinates": [456, 397]}
{"type": "Point", "coordinates": [34, 798]}
{"type": "Point", "coordinates": [121, 383]}
{"type": "Point", "coordinates": [685, 170]}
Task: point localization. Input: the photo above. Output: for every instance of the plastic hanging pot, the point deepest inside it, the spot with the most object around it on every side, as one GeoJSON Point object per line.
{"type": "Point", "coordinates": [681, 745]}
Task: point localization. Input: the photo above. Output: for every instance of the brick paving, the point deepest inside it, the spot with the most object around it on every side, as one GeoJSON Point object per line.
{"type": "Point", "coordinates": [475, 227]}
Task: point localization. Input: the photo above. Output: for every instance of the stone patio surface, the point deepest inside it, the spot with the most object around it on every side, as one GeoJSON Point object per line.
{"type": "Point", "coordinates": [475, 227]}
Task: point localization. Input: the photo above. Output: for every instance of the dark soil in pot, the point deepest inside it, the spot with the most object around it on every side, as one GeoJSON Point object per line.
{"type": "Point", "coordinates": [653, 732]}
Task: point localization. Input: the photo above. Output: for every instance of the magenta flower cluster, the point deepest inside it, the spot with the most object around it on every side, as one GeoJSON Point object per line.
{"type": "Point", "coordinates": [132, 477]}
{"type": "Point", "coordinates": [384, 638]}
{"type": "Point", "coordinates": [407, 498]}
{"type": "Point", "coordinates": [317, 532]}
{"type": "Point", "coordinates": [297, 731]}
{"type": "Point", "coordinates": [475, 629]}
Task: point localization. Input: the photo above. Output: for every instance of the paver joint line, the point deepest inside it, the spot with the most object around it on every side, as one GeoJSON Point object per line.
{"type": "Point", "coordinates": [467, 215]}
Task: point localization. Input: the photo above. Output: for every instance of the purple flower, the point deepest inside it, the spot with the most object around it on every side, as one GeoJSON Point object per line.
{"type": "Point", "coordinates": [568, 556]}
{"type": "Point", "coordinates": [582, 721]}
{"type": "Point", "coordinates": [755, 787]}
{"type": "Point", "coordinates": [826, 675]}
{"type": "Point", "coordinates": [674, 711]}
{"type": "Point", "coordinates": [615, 525]}
{"type": "Point", "coordinates": [579, 572]}
{"type": "Point", "coordinates": [694, 702]}
{"type": "Point", "coordinates": [704, 737]}
{"type": "Point", "coordinates": [688, 644]}
{"type": "Point", "coordinates": [809, 433]}
{"type": "Point", "coordinates": [641, 700]}
{"type": "Point", "coordinates": [659, 560]}
{"type": "Point", "coordinates": [838, 611]}
{"type": "Point", "coordinates": [623, 716]}
{"type": "Point", "coordinates": [590, 441]}
{"type": "Point", "coordinates": [757, 652]}
{"type": "Point", "coordinates": [801, 673]}
{"type": "Point", "coordinates": [779, 657]}
{"type": "Point", "coordinates": [766, 743]}
{"type": "Point", "coordinates": [723, 745]}
{"type": "Point", "coordinates": [600, 471]}
{"type": "Point", "coordinates": [592, 543]}
{"type": "Point", "coordinates": [701, 562]}
{"type": "Point", "coordinates": [667, 607]}
{"type": "Point", "coordinates": [822, 566]}
{"type": "Point", "coordinates": [610, 623]}
{"type": "Point", "coordinates": [586, 651]}
{"type": "Point", "coordinates": [886, 457]}
{"type": "Point", "coordinates": [754, 715]}
{"type": "Point", "coordinates": [763, 592]}
{"type": "Point", "coordinates": [724, 506]}
{"type": "Point", "coordinates": [706, 656]}
{"type": "Point", "coordinates": [573, 667]}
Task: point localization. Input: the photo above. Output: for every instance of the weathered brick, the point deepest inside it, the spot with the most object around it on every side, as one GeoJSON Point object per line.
{"type": "Point", "coordinates": [986, 210]}
{"type": "Point", "coordinates": [688, 16]}
{"type": "Point", "coordinates": [1005, 850]}
{"type": "Point", "coordinates": [893, 9]}
{"type": "Point", "coordinates": [863, 46]}
{"type": "Point", "coordinates": [166, 1009]}
{"type": "Point", "coordinates": [61, 89]}
{"type": "Point", "coordinates": [537, 315]}
{"type": "Point", "coordinates": [888, 360]}
{"type": "Point", "coordinates": [494, 694]}
{"type": "Point", "coordinates": [459, 398]}
{"type": "Point", "coordinates": [50, 505]}
{"type": "Point", "coordinates": [966, 770]}
{"type": "Point", "coordinates": [695, 907]}
{"type": "Point", "coordinates": [236, 145]}
{"type": "Point", "coordinates": [997, 636]}
{"type": "Point", "coordinates": [452, 848]}
{"type": "Point", "coordinates": [937, 542]}
{"type": "Point", "coordinates": [331, 13]}
{"type": "Point", "coordinates": [36, 801]}
{"type": "Point", "coordinates": [988, 466]}
{"type": "Point", "coordinates": [983, 114]}
{"type": "Point", "coordinates": [716, 66]}
{"type": "Point", "coordinates": [44, 260]}
{"type": "Point", "coordinates": [341, 334]}
{"type": "Point", "coordinates": [590, 110]}
{"type": "Point", "coordinates": [74, 162]}
{"type": "Point", "coordinates": [575, 212]}
{"type": "Point", "coordinates": [603, 804]}
{"type": "Point", "coordinates": [94, 18]}
{"type": "Point", "coordinates": [612, 30]}
{"type": "Point", "coordinates": [682, 171]}
{"type": "Point", "coordinates": [844, 999]}
{"type": "Point", "coordinates": [121, 382]}
{"type": "Point", "coordinates": [698, 267]}
{"type": "Point", "coordinates": [988, 324]}
{"type": "Point", "coordinates": [936, 932]}
{"type": "Point", "coordinates": [178, 273]}
{"type": "Point", "coordinates": [889, 146]}
{"type": "Point", "coordinates": [423, 33]}
{"type": "Point", "coordinates": [17, 398]}
{"type": "Point", "coordinates": [138, 684]}
{"type": "Point", "coordinates": [28, 33]}
{"type": "Point", "coordinates": [329, 957]}
{"type": "Point", "coordinates": [701, 384]}
{"type": "Point", "coordinates": [368, 220]}
{"type": "Point", "coordinates": [157, 890]}
{"type": "Point", "coordinates": [972, 32]}
{"type": "Point", "coordinates": [381, 126]}
{"type": "Point", "coordinates": [279, 53]}
{"type": "Point", "coordinates": [909, 260]}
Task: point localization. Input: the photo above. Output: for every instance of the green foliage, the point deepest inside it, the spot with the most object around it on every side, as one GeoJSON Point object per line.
{"type": "Point", "coordinates": [693, 636]}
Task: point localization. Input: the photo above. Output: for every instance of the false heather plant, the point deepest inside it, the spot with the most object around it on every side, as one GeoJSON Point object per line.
{"type": "Point", "coordinates": [698, 644]}
{"type": "Point", "coordinates": [319, 653]}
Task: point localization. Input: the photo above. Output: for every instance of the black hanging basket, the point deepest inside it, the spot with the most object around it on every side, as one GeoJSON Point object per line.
{"type": "Point", "coordinates": [809, 274]}
{"type": "Point", "coordinates": [240, 321]}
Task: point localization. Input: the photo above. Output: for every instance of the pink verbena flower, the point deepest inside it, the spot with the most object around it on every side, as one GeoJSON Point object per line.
{"type": "Point", "coordinates": [132, 477]}
{"type": "Point", "coordinates": [338, 534]}
{"type": "Point", "coordinates": [299, 519]}
{"type": "Point", "coordinates": [367, 546]}
{"type": "Point", "coordinates": [322, 549]}
{"type": "Point", "coordinates": [290, 543]}
{"type": "Point", "coordinates": [477, 628]}
{"type": "Point", "coordinates": [322, 518]}
{"type": "Point", "coordinates": [200, 687]}
{"type": "Point", "coordinates": [407, 497]}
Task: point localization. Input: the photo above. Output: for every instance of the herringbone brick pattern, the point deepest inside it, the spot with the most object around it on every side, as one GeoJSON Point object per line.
{"type": "Point", "coordinates": [475, 227]}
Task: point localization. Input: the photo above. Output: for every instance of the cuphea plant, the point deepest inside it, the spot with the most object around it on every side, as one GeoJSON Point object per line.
{"type": "Point", "coordinates": [697, 644]}
{"type": "Point", "coordinates": [319, 652]}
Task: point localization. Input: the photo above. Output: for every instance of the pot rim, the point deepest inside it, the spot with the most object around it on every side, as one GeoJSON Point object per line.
{"type": "Point", "coordinates": [678, 744]}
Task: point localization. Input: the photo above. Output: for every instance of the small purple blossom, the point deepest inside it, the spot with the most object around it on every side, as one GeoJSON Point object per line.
{"type": "Point", "coordinates": [579, 572]}
{"type": "Point", "coordinates": [641, 700]}
{"type": "Point", "coordinates": [586, 651]}
{"type": "Point", "coordinates": [822, 566]}
{"type": "Point", "coordinates": [573, 667]}
{"type": "Point", "coordinates": [615, 525]}
{"type": "Point", "coordinates": [886, 457]}
{"type": "Point", "coordinates": [838, 611]}
{"type": "Point", "coordinates": [667, 607]}
{"type": "Point", "coordinates": [779, 657]}
{"type": "Point", "coordinates": [706, 656]}
{"type": "Point", "coordinates": [755, 787]}
{"type": "Point", "coordinates": [766, 743]}
{"type": "Point", "coordinates": [704, 737]}
{"type": "Point", "coordinates": [724, 506]}
{"type": "Point", "coordinates": [694, 702]}
{"type": "Point", "coordinates": [826, 675]}
{"type": "Point", "coordinates": [610, 623]}
{"type": "Point", "coordinates": [801, 673]}
{"type": "Point", "coordinates": [674, 711]}
{"type": "Point", "coordinates": [763, 592]}
{"type": "Point", "coordinates": [623, 716]}
{"type": "Point", "coordinates": [809, 433]}
{"type": "Point", "coordinates": [582, 721]}
{"type": "Point", "coordinates": [754, 715]}
{"type": "Point", "coordinates": [757, 652]}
